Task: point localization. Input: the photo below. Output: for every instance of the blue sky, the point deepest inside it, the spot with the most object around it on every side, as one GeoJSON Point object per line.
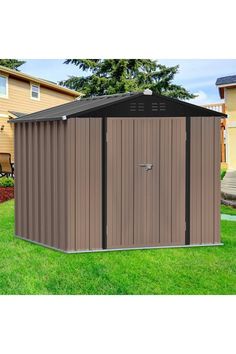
{"type": "Point", "coordinates": [198, 76]}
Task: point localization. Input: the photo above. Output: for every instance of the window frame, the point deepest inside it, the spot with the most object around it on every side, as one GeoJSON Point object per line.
{"type": "Point", "coordinates": [31, 91]}
{"type": "Point", "coordinates": [6, 95]}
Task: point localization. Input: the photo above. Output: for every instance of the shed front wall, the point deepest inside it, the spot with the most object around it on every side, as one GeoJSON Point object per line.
{"type": "Point", "coordinates": [205, 180]}
{"type": "Point", "coordinates": [85, 187]}
{"type": "Point", "coordinates": [145, 208]}
{"type": "Point", "coordinates": [58, 183]}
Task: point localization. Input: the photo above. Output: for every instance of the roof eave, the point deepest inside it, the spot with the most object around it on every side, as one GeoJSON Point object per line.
{"type": "Point", "coordinates": [42, 82]}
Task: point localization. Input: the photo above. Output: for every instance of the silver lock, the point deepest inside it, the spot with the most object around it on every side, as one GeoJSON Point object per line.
{"type": "Point", "coordinates": [147, 166]}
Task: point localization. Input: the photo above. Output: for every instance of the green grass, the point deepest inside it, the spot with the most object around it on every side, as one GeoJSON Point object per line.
{"type": "Point", "coordinates": [29, 269]}
{"type": "Point", "coordinates": [224, 209]}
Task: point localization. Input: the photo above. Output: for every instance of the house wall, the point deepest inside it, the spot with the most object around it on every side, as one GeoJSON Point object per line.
{"type": "Point", "coordinates": [19, 100]}
{"type": "Point", "coordinates": [230, 106]}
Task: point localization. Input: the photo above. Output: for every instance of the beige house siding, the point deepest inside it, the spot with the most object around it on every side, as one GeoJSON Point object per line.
{"type": "Point", "coordinates": [6, 136]}
{"type": "Point", "coordinates": [19, 100]}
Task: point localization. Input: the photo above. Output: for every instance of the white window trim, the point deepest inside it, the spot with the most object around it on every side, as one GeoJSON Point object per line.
{"type": "Point", "coordinates": [34, 98]}
{"type": "Point", "coordinates": [6, 77]}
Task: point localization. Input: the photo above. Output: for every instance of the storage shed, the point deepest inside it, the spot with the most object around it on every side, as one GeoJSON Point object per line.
{"type": "Point", "coordinates": [134, 170]}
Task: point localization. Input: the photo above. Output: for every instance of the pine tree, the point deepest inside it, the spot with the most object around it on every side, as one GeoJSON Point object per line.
{"type": "Point", "coordinates": [110, 76]}
{"type": "Point", "coordinates": [12, 63]}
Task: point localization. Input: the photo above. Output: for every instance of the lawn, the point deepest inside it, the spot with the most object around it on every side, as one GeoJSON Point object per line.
{"type": "Point", "coordinates": [227, 210]}
{"type": "Point", "coordinates": [29, 269]}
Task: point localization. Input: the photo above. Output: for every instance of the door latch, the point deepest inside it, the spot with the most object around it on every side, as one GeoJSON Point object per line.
{"type": "Point", "coordinates": [147, 166]}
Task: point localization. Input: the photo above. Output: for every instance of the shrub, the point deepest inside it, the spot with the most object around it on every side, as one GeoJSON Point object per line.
{"type": "Point", "coordinates": [6, 182]}
{"type": "Point", "coordinates": [222, 173]}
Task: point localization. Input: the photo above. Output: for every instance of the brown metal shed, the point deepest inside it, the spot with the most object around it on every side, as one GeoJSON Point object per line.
{"type": "Point", "coordinates": [124, 171]}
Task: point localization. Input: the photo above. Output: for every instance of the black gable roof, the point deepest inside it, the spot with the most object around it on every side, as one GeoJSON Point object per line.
{"type": "Point", "coordinates": [134, 104]}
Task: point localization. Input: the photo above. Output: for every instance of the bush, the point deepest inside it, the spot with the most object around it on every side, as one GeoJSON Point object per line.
{"type": "Point", "coordinates": [6, 182]}
{"type": "Point", "coordinates": [222, 173]}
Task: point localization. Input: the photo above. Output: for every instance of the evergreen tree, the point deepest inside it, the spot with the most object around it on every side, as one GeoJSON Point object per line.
{"type": "Point", "coordinates": [110, 76]}
{"type": "Point", "coordinates": [12, 63]}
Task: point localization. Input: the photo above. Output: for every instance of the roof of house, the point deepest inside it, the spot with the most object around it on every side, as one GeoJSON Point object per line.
{"type": "Point", "coordinates": [156, 105]}
{"type": "Point", "coordinates": [226, 80]}
{"type": "Point", "coordinates": [42, 82]}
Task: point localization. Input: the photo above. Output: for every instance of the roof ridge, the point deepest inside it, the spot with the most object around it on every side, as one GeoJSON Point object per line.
{"type": "Point", "coordinates": [107, 96]}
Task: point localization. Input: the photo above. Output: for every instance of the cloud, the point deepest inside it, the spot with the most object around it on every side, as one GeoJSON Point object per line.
{"type": "Point", "coordinates": [202, 98]}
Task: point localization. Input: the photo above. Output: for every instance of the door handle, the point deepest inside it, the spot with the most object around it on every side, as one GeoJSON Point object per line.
{"type": "Point", "coordinates": [147, 166]}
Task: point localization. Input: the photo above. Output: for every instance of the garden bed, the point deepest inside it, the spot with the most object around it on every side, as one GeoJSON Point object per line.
{"type": "Point", "coordinates": [6, 193]}
{"type": "Point", "coordinates": [6, 189]}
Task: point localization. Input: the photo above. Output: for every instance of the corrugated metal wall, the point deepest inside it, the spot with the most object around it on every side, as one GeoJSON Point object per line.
{"type": "Point", "coordinates": [145, 208]}
{"type": "Point", "coordinates": [58, 183]}
{"type": "Point", "coordinates": [85, 189]}
{"type": "Point", "coordinates": [205, 181]}
{"type": "Point", "coordinates": [41, 182]}
{"type": "Point", "coordinates": [58, 168]}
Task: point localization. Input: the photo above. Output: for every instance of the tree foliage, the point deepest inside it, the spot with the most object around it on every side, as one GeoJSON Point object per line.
{"type": "Point", "coordinates": [12, 63]}
{"type": "Point", "coordinates": [110, 76]}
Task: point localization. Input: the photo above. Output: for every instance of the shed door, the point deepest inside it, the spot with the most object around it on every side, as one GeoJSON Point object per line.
{"type": "Point", "coordinates": [145, 182]}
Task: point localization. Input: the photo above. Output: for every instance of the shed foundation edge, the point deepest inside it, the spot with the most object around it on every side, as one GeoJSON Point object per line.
{"type": "Point", "coordinates": [118, 249]}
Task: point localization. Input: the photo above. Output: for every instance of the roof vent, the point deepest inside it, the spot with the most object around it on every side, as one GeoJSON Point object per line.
{"type": "Point", "coordinates": [147, 92]}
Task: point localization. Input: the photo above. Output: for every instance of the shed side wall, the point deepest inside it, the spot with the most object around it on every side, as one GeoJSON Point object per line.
{"type": "Point", "coordinates": [41, 182]}
{"type": "Point", "coordinates": [85, 182]}
{"type": "Point", "coordinates": [205, 181]}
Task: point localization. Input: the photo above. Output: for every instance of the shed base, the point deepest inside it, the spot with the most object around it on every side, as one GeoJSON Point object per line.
{"type": "Point", "coordinates": [119, 249]}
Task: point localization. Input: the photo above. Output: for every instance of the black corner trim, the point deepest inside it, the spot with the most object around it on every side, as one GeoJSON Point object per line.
{"type": "Point", "coordinates": [187, 190]}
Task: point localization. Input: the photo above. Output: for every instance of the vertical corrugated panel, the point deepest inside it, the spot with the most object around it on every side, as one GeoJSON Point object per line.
{"type": "Point", "coordinates": [41, 195]}
{"type": "Point", "coordinates": [95, 183]}
{"type": "Point", "coordinates": [207, 179]}
{"type": "Point", "coordinates": [154, 185]}
{"type": "Point", "coordinates": [114, 191]}
{"type": "Point", "coordinates": [55, 195]}
{"type": "Point", "coordinates": [61, 170]}
{"type": "Point", "coordinates": [127, 171]}
{"type": "Point", "coordinates": [36, 189]}
{"type": "Point", "coordinates": [165, 181]}
{"type": "Point", "coordinates": [71, 167]}
{"type": "Point", "coordinates": [24, 184]}
{"type": "Point", "coordinates": [17, 180]}
{"type": "Point", "coordinates": [217, 196]}
{"type": "Point", "coordinates": [196, 181]}
{"type": "Point", "coordinates": [30, 181]}
{"type": "Point", "coordinates": [178, 181]}
{"type": "Point", "coordinates": [48, 183]}
{"type": "Point", "coordinates": [204, 181]}
{"type": "Point", "coordinates": [84, 183]}
{"type": "Point", "coordinates": [139, 183]}
{"type": "Point", "coordinates": [150, 157]}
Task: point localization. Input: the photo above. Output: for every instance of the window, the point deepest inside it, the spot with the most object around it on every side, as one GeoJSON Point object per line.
{"type": "Point", "coordinates": [35, 92]}
{"type": "Point", "coordinates": [3, 86]}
